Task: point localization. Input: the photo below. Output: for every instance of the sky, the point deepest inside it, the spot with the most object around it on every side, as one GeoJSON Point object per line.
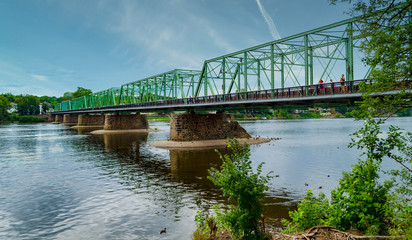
{"type": "Point", "coordinates": [48, 47]}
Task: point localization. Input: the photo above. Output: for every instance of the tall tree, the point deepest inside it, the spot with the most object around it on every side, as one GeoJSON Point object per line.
{"type": "Point", "coordinates": [27, 105]}
{"type": "Point", "coordinates": [386, 26]}
{"type": "Point", "coordinates": [80, 92]}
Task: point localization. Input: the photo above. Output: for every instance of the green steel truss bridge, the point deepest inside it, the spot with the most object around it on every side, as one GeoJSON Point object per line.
{"type": "Point", "coordinates": [282, 71]}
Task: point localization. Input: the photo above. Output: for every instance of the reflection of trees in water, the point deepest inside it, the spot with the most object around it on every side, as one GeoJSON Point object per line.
{"type": "Point", "coordinates": [182, 184]}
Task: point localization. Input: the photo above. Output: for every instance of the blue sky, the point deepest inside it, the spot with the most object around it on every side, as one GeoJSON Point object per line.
{"type": "Point", "coordinates": [48, 47]}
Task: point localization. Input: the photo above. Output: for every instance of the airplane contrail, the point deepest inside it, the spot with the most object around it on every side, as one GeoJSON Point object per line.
{"type": "Point", "coordinates": [269, 21]}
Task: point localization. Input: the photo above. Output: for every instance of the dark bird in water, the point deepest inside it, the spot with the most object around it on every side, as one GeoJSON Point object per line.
{"type": "Point", "coordinates": [328, 175]}
{"type": "Point", "coordinates": [320, 187]}
{"type": "Point", "coordinates": [306, 184]}
{"type": "Point", "coordinates": [277, 176]}
{"type": "Point", "coordinates": [163, 231]}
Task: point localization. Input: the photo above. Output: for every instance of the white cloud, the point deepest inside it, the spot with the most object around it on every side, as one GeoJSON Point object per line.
{"type": "Point", "coordinates": [39, 77]}
{"type": "Point", "coordinates": [269, 21]}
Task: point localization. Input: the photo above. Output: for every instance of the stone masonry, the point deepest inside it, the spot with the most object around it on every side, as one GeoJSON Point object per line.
{"type": "Point", "coordinates": [126, 121]}
{"type": "Point", "coordinates": [51, 118]}
{"type": "Point", "coordinates": [90, 120]}
{"type": "Point", "coordinates": [70, 119]}
{"type": "Point", "coordinates": [192, 127]}
{"type": "Point", "coordinates": [59, 118]}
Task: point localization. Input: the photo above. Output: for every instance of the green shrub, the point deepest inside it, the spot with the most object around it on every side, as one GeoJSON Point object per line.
{"type": "Point", "coordinates": [311, 212]}
{"type": "Point", "coordinates": [30, 119]}
{"type": "Point", "coordinates": [238, 181]}
{"type": "Point", "coordinates": [359, 201]}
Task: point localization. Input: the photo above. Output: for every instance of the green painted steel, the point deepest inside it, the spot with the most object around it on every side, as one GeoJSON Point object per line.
{"type": "Point", "coordinates": [302, 59]}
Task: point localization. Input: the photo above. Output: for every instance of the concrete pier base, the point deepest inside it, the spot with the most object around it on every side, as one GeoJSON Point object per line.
{"type": "Point", "coordinates": [58, 119]}
{"type": "Point", "coordinates": [51, 118]}
{"type": "Point", "coordinates": [195, 127]}
{"type": "Point", "coordinates": [70, 119]}
{"type": "Point", "coordinates": [125, 122]}
{"type": "Point", "coordinates": [90, 120]}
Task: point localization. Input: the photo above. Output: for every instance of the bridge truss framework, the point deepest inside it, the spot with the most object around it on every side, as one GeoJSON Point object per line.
{"type": "Point", "coordinates": [293, 61]}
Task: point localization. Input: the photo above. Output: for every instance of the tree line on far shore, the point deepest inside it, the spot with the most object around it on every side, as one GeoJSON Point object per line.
{"type": "Point", "coordinates": [19, 107]}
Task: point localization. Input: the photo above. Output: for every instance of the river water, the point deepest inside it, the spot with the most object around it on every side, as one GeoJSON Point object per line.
{"type": "Point", "coordinates": [57, 183]}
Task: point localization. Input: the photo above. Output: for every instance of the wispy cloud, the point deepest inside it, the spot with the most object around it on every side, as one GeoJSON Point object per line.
{"type": "Point", "coordinates": [271, 24]}
{"type": "Point", "coordinates": [39, 77]}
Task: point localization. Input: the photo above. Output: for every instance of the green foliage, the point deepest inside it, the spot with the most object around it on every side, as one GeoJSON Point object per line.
{"type": "Point", "coordinates": [80, 92]}
{"type": "Point", "coordinates": [4, 105]}
{"type": "Point", "coordinates": [283, 113]}
{"type": "Point", "coordinates": [238, 181]}
{"type": "Point", "coordinates": [359, 200]}
{"type": "Point", "coordinates": [27, 105]}
{"type": "Point", "coordinates": [311, 212]}
{"type": "Point", "coordinates": [209, 226]}
{"type": "Point", "coordinates": [30, 119]}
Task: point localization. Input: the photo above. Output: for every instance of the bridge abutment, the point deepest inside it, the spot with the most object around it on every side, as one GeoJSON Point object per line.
{"type": "Point", "coordinates": [70, 119]}
{"type": "Point", "coordinates": [125, 121]}
{"type": "Point", "coordinates": [194, 127]}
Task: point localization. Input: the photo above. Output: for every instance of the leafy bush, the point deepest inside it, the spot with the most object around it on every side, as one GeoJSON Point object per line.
{"type": "Point", "coordinates": [30, 119]}
{"type": "Point", "coordinates": [359, 201]}
{"type": "Point", "coordinates": [238, 181]}
{"type": "Point", "coordinates": [311, 212]}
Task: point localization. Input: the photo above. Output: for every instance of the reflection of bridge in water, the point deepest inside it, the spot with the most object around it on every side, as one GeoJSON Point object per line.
{"type": "Point", "coordinates": [171, 184]}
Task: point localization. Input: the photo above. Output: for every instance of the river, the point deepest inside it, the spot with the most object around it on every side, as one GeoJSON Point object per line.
{"type": "Point", "coordinates": [57, 183]}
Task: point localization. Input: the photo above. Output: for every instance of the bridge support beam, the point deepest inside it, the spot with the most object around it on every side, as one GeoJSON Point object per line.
{"type": "Point", "coordinates": [70, 119]}
{"type": "Point", "coordinates": [90, 120]}
{"type": "Point", "coordinates": [193, 127]}
{"type": "Point", "coordinates": [125, 121]}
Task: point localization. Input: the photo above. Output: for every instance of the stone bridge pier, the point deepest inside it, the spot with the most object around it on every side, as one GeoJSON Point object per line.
{"type": "Point", "coordinates": [58, 118]}
{"type": "Point", "coordinates": [193, 127]}
{"type": "Point", "coordinates": [90, 120]}
{"type": "Point", "coordinates": [51, 118]}
{"type": "Point", "coordinates": [125, 122]}
{"type": "Point", "coordinates": [70, 119]}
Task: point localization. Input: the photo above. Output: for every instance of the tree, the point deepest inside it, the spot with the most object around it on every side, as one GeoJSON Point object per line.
{"type": "Point", "coordinates": [4, 104]}
{"type": "Point", "coordinates": [387, 30]}
{"type": "Point", "coordinates": [27, 105]}
{"type": "Point", "coordinates": [67, 96]}
{"type": "Point", "coordinates": [80, 92]}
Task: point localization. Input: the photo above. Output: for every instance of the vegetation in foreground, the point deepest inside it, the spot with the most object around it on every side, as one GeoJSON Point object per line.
{"type": "Point", "coordinates": [244, 220]}
{"type": "Point", "coordinates": [363, 200]}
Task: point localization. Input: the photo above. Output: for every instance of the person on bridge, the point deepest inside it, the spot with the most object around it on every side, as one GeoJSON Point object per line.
{"type": "Point", "coordinates": [321, 84]}
{"type": "Point", "coordinates": [342, 82]}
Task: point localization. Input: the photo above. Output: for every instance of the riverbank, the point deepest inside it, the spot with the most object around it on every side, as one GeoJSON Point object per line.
{"type": "Point", "coordinates": [25, 119]}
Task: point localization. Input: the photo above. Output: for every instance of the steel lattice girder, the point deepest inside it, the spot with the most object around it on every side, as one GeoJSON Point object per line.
{"type": "Point", "coordinates": [178, 83]}
{"type": "Point", "coordinates": [259, 67]}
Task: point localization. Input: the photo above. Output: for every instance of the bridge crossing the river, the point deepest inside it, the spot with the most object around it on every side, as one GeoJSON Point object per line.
{"type": "Point", "coordinates": [276, 72]}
